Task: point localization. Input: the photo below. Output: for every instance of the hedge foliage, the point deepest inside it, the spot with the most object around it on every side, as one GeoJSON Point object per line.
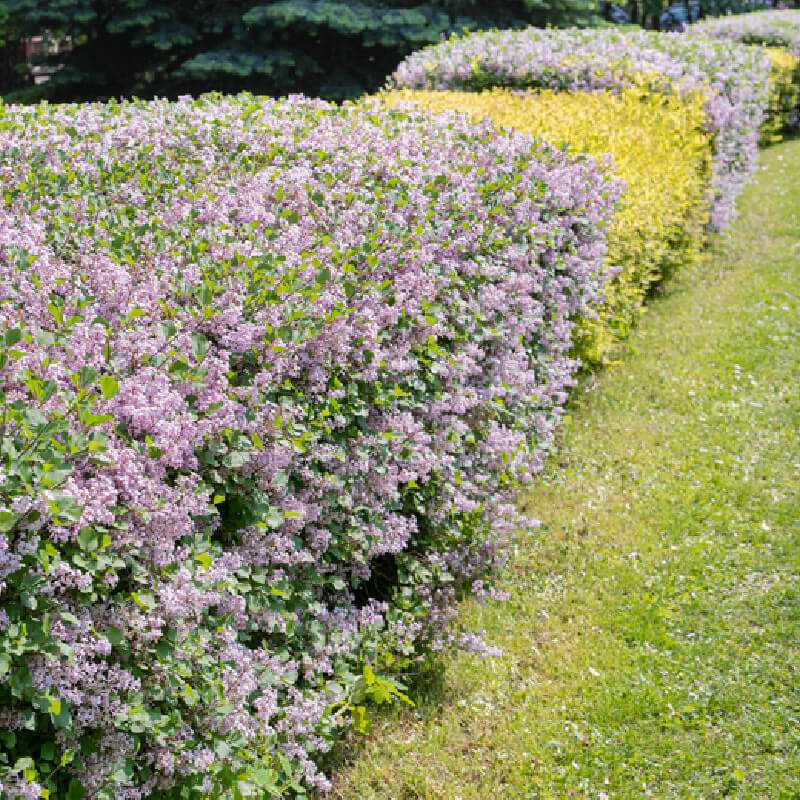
{"type": "Point", "coordinates": [770, 28]}
{"type": "Point", "coordinates": [779, 31]}
{"type": "Point", "coordinates": [733, 78]}
{"type": "Point", "coordinates": [658, 146]}
{"type": "Point", "coordinates": [783, 113]}
{"type": "Point", "coordinates": [269, 374]}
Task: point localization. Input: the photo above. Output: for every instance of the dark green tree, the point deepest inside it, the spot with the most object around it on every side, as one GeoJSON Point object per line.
{"type": "Point", "coordinates": [331, 48]}
{"type": "Point", "coordinates": [12, 55]}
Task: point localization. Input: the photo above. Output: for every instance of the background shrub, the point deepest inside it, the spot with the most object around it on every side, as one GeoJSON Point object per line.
{"type": "Point", "coordinates": [733, 78]}
{"type": "Point", "coordinates": [783, 113]}
{"type": "Point", "coordinates": [270, 372]}
{"type": "Point", "coordinates": [771, 28]}
{"type": "Point", "coordinates": [780, 32]}
{"type": "Point", "coordinates": [658, 146]}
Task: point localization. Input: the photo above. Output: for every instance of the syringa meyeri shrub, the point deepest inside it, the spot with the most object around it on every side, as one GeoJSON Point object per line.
{"type": "Point", "coordinates": [733, 79]}
{"type": "Point", "coordinates": [779, 32]}
{"type": "Point", "coordinates": [658, 146]}
{"type": "Point", "coordinates": [269, 373]}
{"type": "Point", "coordinates": [778, 28]}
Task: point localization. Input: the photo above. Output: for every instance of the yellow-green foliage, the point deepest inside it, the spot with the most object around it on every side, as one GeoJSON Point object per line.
{"type": "Point", "coordinates": [659, 147]}
{"type": "Point", "coordinates": [784, 96]}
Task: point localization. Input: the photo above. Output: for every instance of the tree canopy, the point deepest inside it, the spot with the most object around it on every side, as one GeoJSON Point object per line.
{"type": "Point", "coordinates": [330, 48]}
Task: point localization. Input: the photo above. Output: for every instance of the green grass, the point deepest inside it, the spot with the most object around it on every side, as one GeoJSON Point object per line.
{"type": "Point", "coordinates": [652, 639]}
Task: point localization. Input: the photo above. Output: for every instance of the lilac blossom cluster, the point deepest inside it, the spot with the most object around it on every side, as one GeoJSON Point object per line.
{"type": "Point", "coordinates": [770, 28]}
{"type": "Point", "coordinates": [269, 372]}
{"type": "Point", "coordinates": [734, 80]}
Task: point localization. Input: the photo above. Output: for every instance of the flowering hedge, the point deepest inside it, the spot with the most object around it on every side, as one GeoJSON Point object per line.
{"type": "Point", "coordinates": [780, 32]}
{"type": "Point", "coordinates": [269, 372]}
{"type": "Point", "coordinates": [658, 147]}
{"type": "Point", "coordinates": [771, 28]}
{"type": "Point", "coordinates": [733, 78]}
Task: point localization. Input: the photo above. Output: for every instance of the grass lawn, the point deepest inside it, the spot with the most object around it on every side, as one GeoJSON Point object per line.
{"type": "Point", "coordinates": [652, 640]}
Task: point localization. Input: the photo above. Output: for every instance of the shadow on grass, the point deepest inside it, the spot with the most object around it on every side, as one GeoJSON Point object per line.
{"type": "Point", "coordinates": [427, 690]}
{"type": "Point", "coordinates": [789, 135]}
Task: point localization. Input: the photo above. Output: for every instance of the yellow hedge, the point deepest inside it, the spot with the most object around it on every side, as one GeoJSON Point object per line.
{"type": "Point", "coordinates": [659, 147]}
{"type": "Point", "coordinates": [784, 98]}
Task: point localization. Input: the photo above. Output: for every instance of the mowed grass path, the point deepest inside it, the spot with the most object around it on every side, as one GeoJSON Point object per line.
{"type": "Point", "coordinates": [652, 639]}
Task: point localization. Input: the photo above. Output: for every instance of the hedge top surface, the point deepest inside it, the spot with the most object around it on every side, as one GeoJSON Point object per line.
{"type": "Point", "coordinates": [733, 78]}
{"type": "Point", "coordinates": [772, 28]}
{"type": "Point", "coordinates": [657, 144]}
{"type": "Point", "coordinates": [583, 59]}
{"type": "Point", "coordinates": [250, 350]}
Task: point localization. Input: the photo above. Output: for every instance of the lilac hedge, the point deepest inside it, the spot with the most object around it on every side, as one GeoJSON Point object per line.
{"type": "Point", "coordinates": [734, 80]}
{"type": "Point", "coordinates": [770, 28]}
{"type": "Point", "coordinates": [779, 33]}
{"type": "Point", "coordinates": [269, 372]}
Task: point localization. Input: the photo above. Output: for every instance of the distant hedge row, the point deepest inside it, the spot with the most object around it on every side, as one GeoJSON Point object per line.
{"type": "Point", "coordinates": [770, 28]}
{"type": "Point", "coordinates": [680, 115]}
{"type": "Point", "coordinates": [779, 31]}
{"type": "Point", "coordinates": [734, 80]}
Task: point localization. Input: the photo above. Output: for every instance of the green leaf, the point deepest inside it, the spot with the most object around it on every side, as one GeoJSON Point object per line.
{"type": "Point", "coordinates": [109, 387]}
{"type": "Point", "coordinates": [204, 560]}
{"type": "Point", "coordinates": [90, 420]}
{"type": "Point", "coordinates": [7, 521]}
{"type": "Point", "coordinates": [145, 601]}
{"type": "Point", "coordinates": [360, 719]}
{"type": "Point", "coordinates": [12, 336]}
{"type": "Point", "coordinates": [265, 778]}
{"type": "Point", "coordinates": [87, 539]}
{"type": "Point", "coordinates": [134, 314]}
{"type": "Point", "coordinates": [114, 636]}
{"type": "Point", "coordinates": [75, 791]}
